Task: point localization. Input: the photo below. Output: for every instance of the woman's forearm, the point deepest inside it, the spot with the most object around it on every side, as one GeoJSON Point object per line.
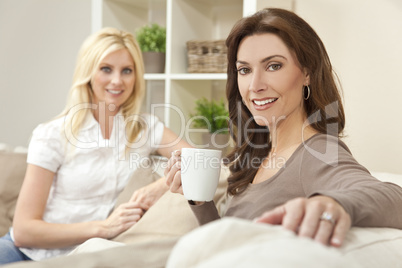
{"type": "Point", "coordinates": [205, 212]}
{"type": "Point", "coordinates": [40, 234]}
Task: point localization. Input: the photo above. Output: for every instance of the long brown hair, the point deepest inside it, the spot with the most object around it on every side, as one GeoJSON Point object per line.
{"type": "Point", "coordinates": [323, 108]}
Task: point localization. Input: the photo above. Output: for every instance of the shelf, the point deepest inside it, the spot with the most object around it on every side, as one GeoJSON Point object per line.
{"type": "Point", "coordinates": [130, 15]}
{"type": "Point", "coordinates": [140, 3]}
{"type": "Point", "coordinates": [155, 76]}
{"type": "Point", "coordinates": [186, 76]}
{"type": "Point", "coordinates": [200, 76]}
{"type": "Point", "coordinates": [217, 2]}
{"type": "Point", "coordinates": [199, 20]}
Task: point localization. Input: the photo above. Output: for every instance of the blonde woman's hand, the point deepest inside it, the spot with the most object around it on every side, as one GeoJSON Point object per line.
{"type": "Point", "coordinates": [151, 193]}
{"type": "Point", "coordinates": [122, 218]}
{"type": "Point", "coordinates": [320, 218]}
{"type": "Point", "coordinates": [172, 173]}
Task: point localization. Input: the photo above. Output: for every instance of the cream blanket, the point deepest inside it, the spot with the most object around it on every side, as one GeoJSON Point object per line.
{"type": "Point", "coordinates": [232, 242]}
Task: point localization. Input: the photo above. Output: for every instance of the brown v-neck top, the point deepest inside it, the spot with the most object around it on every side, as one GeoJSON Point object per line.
{"type": "Point", "coordinates": [322, 165]}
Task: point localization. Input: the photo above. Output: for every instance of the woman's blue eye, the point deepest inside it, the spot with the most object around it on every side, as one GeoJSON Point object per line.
{"type": "Point", "coordinates": [274, 67]}
{"type": "Point", "coordinates": [127, 71]}
{"type": "Point", "coordinates": [106, 69]}
{"type": "Point", "coordinates": [244, 70]}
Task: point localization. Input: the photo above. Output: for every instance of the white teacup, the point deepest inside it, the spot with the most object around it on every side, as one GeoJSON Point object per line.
{"type": "Point", "coordinates": [200, 171]}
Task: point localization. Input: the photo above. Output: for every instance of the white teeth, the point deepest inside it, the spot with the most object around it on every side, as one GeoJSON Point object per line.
{"type": "Point", "coordinates": [264, 101]}
{"type": "Point", "coordinates": [114, 91]}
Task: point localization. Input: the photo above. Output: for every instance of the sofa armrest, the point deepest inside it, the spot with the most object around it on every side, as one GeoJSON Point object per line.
{"type": "Point", "coordinates": [12, 169]}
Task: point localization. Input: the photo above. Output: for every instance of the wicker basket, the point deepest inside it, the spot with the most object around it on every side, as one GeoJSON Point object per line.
{"type": "Point", "coordinates": [207, 56]}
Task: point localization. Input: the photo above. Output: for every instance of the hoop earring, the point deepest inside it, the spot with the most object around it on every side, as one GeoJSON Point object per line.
{"type": "Point", "coordinates": [308, 93]}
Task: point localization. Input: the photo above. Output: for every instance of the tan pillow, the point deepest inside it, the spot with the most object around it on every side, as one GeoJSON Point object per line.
{"type": "Point", "coordinates": [140, 178]}
{"type": "Point", "coordinates": [171, 216]}
{"type": "Point", "coordinates": [12, 172]}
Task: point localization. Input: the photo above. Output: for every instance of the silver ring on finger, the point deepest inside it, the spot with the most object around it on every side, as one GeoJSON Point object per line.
{"type": "Point", "coordinates": [326, 216]}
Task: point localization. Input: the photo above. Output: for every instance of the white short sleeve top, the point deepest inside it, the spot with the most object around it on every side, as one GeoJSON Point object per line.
{"type": "Point", "coordinates": [89, 178]}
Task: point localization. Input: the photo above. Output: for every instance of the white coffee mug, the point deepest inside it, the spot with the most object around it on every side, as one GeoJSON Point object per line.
{"type": "Point", "coordinates": [200, 171]}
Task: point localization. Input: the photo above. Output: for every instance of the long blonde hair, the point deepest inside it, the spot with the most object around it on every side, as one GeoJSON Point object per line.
{"type": "Point", "coordinates": [94, 49]}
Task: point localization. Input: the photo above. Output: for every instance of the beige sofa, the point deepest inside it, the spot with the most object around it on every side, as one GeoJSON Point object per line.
{"type": "Point", "coordinates": [226, 243]}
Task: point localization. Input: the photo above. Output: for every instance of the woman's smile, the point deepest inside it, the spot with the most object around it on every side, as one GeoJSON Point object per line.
{"type": "Point", "coordinates": [114, 91]}
{"type": "Point", "coordinates": [263, 104]}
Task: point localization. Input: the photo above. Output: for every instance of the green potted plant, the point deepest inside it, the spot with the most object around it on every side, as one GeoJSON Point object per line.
{"type": "Point", "coordinates": [152, 41]}
{"type": "Point", "coordinates": [213, 116]}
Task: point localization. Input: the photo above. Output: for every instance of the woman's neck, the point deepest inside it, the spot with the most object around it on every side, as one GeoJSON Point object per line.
{"type": "Point", "coordinates": [105, 117]}
{"type": "Point", "coordinates": [290, 132]}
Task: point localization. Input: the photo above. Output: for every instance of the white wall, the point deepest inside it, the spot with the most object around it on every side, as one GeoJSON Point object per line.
{"type": "Point", "coordinates": [39, 41]}
{"type": "Point", "coordinates": [364, 41]}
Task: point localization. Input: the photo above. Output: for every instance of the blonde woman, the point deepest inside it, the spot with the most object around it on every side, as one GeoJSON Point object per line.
{"type": "Point", "coordinates": [79, 162]}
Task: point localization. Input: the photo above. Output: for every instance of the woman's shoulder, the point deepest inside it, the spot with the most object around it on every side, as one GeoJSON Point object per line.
{"type": "Point", "coordinates": [50, 128]}
{"type": "Point", "coordinates": [46, 147]}
{"type": "Point", "coordinates": [321, 142]}
{"type": "Point", "coordinates": [328, 149]}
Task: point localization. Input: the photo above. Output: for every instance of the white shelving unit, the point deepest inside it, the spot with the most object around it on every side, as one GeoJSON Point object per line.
{"type": "Point", "coordinates": [172, 95]}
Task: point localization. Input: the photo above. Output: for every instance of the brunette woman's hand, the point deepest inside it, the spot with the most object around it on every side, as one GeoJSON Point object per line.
{"type": "Point", "coordinates": [122, 218]}
{"type": "Point", "coordinates": [320, 218]}
{"type": "Point", "coordinates": [173, 173]}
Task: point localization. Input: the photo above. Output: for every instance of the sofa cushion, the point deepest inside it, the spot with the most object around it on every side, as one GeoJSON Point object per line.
{"type": "Point", "coordinates": [12, 172]}
{"type": "Point", "coordinates": [146, 254]}
{"type": "Point", "coordinates": [388, 177]}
